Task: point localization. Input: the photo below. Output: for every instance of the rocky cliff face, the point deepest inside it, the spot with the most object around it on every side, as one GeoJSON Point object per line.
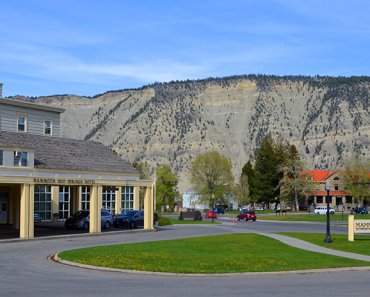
{"type": "Point", "coordinates": [326, 118]}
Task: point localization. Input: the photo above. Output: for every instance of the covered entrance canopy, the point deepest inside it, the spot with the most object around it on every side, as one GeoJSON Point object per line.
{"type": "Point", "coordinates": [58, 176]}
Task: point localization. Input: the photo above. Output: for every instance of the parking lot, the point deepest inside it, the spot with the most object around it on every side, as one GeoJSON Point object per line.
{"type": "Point", "coordinates": [44, 229]}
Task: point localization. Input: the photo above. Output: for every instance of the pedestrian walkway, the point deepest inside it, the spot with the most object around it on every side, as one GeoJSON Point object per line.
{"type": "Point", "coordinates": [304, 245]}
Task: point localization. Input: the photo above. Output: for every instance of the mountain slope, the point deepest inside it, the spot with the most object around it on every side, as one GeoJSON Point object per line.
{"type": "Point", "coordinates": [326, 118]}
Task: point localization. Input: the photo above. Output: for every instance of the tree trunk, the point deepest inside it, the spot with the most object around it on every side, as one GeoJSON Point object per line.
{"type": "Point", "coordinates": [296, 200]}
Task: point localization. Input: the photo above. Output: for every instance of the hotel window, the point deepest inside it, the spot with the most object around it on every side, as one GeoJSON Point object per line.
{"type": "Point", "coordinates": [20, 159]}
{"type": "Point", "coordinates": [64, 201]}
{"type": "Point", "coordinates": [22, 124]}
{"type": "Point", "coordinates": [319, 199]}
{"type": "Point", "coordinates": [109, 199]}
{"type": "Point", "coordinates": [48, 127]}
{"type": "Point", "coordinates": [1, 157]}
{"type": "Point", "coordinates": [85, 198]}
{"type": "Point", "coordinates": [42, 202]}
{"type": "Point", "coordinates": [336, 187]}
{"type": "Point", "coordinates": [127, 198]}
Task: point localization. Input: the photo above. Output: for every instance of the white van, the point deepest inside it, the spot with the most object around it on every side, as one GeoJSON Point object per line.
{"type": "Point", "coordinates": [322, 210]}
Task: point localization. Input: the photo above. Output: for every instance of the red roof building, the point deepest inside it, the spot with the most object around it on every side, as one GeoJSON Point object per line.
{"type": "Point", "coordinates": [338, 197]}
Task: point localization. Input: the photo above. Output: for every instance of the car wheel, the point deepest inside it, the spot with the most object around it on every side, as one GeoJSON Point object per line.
{"type": "Point", "coordinates": [86, 226]}
{"type": "Point", "coordinates": [254, 220]}
{"type": "Point", "coordinates": [106, 225]}
{"type": "Point", "coordinates": [238, 219]}
{"type": "Point", "coordinates": [246, 219]}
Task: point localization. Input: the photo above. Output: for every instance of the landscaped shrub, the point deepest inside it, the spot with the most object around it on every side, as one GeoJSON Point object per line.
{"type": "Point", "coordinates": [164, 221]}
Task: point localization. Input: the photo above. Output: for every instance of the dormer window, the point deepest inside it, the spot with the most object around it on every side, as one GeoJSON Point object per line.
{"type": "Point", "coordinates": [20, 159]}
{"type": "Point", "coordinates": [22, 124]}
{"type": "Point", "coordinates": [48, 126]}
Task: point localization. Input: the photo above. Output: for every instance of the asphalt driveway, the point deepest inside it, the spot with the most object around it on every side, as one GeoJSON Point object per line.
{"type": "Point", "coordinates": [27, 271]}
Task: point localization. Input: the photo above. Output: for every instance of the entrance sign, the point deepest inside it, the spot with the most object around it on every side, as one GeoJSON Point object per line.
{"type": "Point", "coordinates": [357, 226]}
{"type": "Point", "coordinates": [63, 181]}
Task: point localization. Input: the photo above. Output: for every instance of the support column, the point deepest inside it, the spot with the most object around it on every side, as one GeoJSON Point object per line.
{"type": "Point", "coordinates": [118, 200]}
{"type": "Point", "coordinates": [17, 200]}
{"type": "Point", "coordinates": [136, 198]}
{"type": "Point", "coordinates": [54, 202]}
{"type": "Point", "coordinates": [148, 208]}
{"type": "Point", "coordinates": [79, 197]}
{"type": "Point", "coordinates": [26, 212]}
{"type": "Point", "coordinates": [95, 209]}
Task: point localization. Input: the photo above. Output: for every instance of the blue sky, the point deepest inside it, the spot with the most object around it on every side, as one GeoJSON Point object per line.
{"type": "Point", "coordinates": [86, 47]}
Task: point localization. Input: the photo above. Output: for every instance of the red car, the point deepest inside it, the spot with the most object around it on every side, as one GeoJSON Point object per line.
{"type": "Point", "coordinates": [210, 213]}
{"type": "Point", "coordinates": [247, 215]}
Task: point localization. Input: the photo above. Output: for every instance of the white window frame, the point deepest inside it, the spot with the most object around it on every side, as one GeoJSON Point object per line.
{"type": "Point", "coordinates": [64, 207]}
{"type": "Point", "coordinates": [109, 199]}
{"type": "Point", "coordinates": [20, 159]}
{"type": "Point", "coordinates": [127, 202]}
{"type": "Point", "coordinates": [43, 201]}
{"type": "Point", "coordinates": [25, 123]}
{"type": "Point", "coordinates": [51, 127]}
{"type": "Point", "coordinates": [85, 198]}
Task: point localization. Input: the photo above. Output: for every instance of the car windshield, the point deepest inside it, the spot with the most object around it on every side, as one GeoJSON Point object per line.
{"type": "Point", "coordinates": [129, 213]}
{"type": "Point", "coordinates": [80, 214]}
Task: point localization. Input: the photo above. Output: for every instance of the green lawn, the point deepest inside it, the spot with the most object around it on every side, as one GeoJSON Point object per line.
{"type": "Point", "coordinates": [361, 245]}
{"type": "Point", "coordinates": [312, 217]}
{"type": "Point", "coordinates": [210, 254]}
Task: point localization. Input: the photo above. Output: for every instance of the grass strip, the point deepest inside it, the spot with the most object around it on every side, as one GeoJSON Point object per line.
{"type": "Point", "coordinates": [311, 217]}
{"type": "Point", "coordinates": [361, 245]}
{"type": "Point", "coordinates": [209, 254]}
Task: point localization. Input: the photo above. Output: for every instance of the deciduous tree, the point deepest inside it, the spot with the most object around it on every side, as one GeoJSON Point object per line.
{"type": "Point", "coordinates": [211, 174]}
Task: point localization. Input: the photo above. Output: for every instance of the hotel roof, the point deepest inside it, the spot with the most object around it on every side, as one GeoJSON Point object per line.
{"type": "Point", "coordinates": [30, 105]}
{"type": "Point", "coordinates": [67, 154]}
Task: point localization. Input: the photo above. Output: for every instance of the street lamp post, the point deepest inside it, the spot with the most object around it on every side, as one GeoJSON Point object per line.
{"type": "Point", "coordinates": [327, 238]}
{"type": "Point", "coordinates": [213, 205]}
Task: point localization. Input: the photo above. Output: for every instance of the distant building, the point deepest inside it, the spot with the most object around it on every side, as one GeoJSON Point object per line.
{"type": "Point", "coordinates": [45, 175]}
{"type": "Point", "coordinates": [338, 194]}
{"type": "Point", "coordinates": [191, 199]}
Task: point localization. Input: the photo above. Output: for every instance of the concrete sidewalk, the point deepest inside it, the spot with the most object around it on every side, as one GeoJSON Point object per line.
{"type": "Point", "coordinates": [314, 248]}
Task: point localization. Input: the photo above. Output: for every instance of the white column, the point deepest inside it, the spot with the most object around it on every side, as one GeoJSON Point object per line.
{"type": "Point", "coordinates": [95, 209]}
{"type": "Point", "coordinates": [148, 208]}
{"type": "Point", "coordinates": [26, 211]}
{"type": "Point", "coordinates": [136, 198]}
{"type": "Point", "coordinates": [118, 200]}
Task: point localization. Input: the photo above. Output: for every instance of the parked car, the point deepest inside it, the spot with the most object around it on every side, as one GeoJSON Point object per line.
{"type": "Point", "coordinates": [81, 220]}
{"type": "Point", "coordinates": [190, 213]}
{"type": "Point", "coordinates": [210, 214]}
{"type": "Point", "coordinates": [322, 210]}
{"type": "Point", "coordinates": [360, 210]}
{"type": "Point", "coordinates": [247, 215]}
{"type": "Point", "coordinates": [129, 218]}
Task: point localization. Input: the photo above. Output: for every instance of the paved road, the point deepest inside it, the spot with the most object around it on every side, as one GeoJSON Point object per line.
{"type": "Point", "coordinates": [26, 270]}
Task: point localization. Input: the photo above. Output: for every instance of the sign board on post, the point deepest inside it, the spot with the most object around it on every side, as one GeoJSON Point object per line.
{"type": "Point", "coordinates": [357, 226]}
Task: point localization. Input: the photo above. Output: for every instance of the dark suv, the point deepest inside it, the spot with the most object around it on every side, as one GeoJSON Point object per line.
{"type": "Point", "coordinates": [360, 210]}
{"type": "Point", "coordinates": [129, 218]}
